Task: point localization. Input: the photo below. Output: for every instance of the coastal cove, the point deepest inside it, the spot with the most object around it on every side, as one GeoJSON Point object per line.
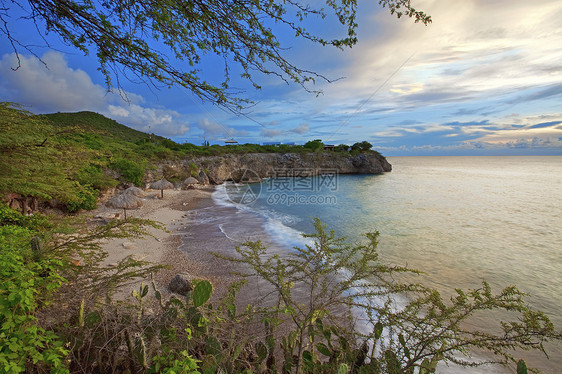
{"type": "Point", "coordinates": [460, 220]}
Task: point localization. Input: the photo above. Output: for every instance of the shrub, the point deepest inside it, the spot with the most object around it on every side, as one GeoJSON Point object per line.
{"type": "Point", "coordinates": [130, 170]}
{"type": "Point", "coordinates": [314, 145]}
{"type": "Point", "coordinates": [364, 146]}
{"type": "Point", "coordinates": [26, 286]}
{"type": "Point", "coordinates": [94, 176]}
{"type": "Point", "coordinates": [331, 275]}
{"type": "Point", "coordinates": [10, 216]}
{"type": "Point", "coordinates": [342, 148]}
{"type": "Point", "coordinates": [86, 198]}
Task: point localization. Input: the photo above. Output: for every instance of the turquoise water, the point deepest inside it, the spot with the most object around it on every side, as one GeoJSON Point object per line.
{"type": "Point", "coordinates": [458, 219]}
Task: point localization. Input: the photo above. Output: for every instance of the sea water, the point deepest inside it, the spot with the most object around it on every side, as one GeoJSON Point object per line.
{"type": "Point", "coordinates": [460, 220]}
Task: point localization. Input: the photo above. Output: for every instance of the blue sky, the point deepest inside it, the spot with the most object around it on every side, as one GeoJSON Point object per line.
{"type": "Point", "coordinates": [485, 78]}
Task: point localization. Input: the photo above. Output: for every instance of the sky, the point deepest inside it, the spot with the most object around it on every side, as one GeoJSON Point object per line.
{"type": "Point", "coordinates": [484, 78]}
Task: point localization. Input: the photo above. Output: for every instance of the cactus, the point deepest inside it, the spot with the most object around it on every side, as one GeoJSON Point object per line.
{"type": "Point", "coordinates": [157, 293]}
{"type": "Point", "coordinates": [343, 369]}
{"type": "Point", "coordinates": [81, 314]}
{"type": "Point", "coordinates": [36, 248]}
{"type": "Point", "coordinates": [521, 367]}
{"type": "Point", "coordinates": [202, 292]}
{"type": "Point", "coordinates": [142, 353]}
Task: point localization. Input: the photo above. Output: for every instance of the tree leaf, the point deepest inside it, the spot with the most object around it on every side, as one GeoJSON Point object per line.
{"type": "Point", "coordinates": [320, 347]}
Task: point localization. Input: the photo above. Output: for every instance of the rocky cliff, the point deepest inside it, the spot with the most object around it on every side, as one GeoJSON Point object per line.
{"type": "Point", "coordinates": [256, 166]}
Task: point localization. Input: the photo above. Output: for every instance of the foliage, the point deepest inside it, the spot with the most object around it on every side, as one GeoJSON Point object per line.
{"type": "Point", "coordinates": [34, 159]}
{"type": "Point", "coordinates": [363, 146]}
{"type": "Point", "coordinates": [12, 217]}
{"type": "Point", "coordinates": [97, 126]}
{"type": "Point", "coordinates": [94, 176]}
{"type": "Point", "coordinates": [28, 282]}
{"type": "Point", "coordinates": [314, 145]}
{"type": "Point", "coordinates": [86, 198]}
{"type": "Point", "coordinates": [342, 148]}
{"type": "Point", "coordinates": [187, 34]}
{"type": "Point", "coordinates": [38, 268]}
{"type": "Point", "coordinates": [130, 170]}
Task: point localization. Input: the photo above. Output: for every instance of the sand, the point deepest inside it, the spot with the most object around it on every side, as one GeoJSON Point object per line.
{"type": "Point", "coordinates": [162, 248]}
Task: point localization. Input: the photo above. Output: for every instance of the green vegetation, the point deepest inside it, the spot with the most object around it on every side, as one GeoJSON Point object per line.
{"type": "Point", "coordinates": [57, 316]}
{"type": "Point", "coordinates": [322, 287]}
{"type": "Point", "coordinates": [364, 146]}
{"type": "Point", "coordinates": [28, 283]}
{"type": "Point", "coordinates": [314, 145]}
{"type": "Point", "coordinates": [38, 257]}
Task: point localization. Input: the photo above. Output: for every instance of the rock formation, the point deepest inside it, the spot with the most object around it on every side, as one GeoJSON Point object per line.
{"type": "Point", "coordinates": [251, 166]}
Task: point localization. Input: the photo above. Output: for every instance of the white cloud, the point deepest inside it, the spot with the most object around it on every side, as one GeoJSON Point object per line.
{"type": "Point", "coordinates": [474, 49]}
{"type": "Point", "coordinates": [53, 86]}
{"type": "Point", "coordinates": [301, 129]}
{"type": "Point", "coordinates": [163, 122]}
{"type": "Point", "coordinates": [214, 130]}
{"type": "Point", "coordinates": [270, 133]}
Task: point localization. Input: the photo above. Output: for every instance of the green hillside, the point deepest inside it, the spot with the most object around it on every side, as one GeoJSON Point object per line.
{"type": "Point", "coordinates": [98, 124]}
{"type": "Point", "coordinates": [70, 157]}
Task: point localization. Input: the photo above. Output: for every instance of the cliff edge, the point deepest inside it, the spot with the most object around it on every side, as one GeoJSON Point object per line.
{"type": "Point", "coordinates": [217, 169]}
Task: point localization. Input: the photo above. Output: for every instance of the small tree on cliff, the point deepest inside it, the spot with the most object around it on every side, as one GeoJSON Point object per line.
{"type": "Point", "coordinates": [363, 146]}
{"type": "Point", "coordinates": [314, 145]}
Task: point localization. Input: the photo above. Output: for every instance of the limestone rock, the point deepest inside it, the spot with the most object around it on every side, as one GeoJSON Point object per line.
{"type": "Point", "coordinates": [129, 245]}
{"type": "Point", "coordinates": [217, 169]}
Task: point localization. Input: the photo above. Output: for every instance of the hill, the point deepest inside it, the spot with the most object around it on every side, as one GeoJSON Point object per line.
{"type": "Point", "coordinates": [67, 158]}
{"type": "Point", "coordinates": [98, 124]}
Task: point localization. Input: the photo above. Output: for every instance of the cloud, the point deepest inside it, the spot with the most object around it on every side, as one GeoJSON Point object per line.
{"type": "Point", "coordinates": [53, 86]}
{"type": "Point", "coordinates": [166, 122]}
{"type": "Point", "coordinates": [473, 50]}
{"type": "Point", "coordinates": [270, 133]}
{"type": "Point", "coordinates": [301, 129]}
{"type": "Point", "coordinates": [554, 90]}
{"type": "Point", "coordinates": [49, 86]}
{"type": "Point", "coordinates": [214, 130]}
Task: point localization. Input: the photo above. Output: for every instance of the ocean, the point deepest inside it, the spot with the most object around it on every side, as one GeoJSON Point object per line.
{"type": "Point", "coordinates": [460, 220]}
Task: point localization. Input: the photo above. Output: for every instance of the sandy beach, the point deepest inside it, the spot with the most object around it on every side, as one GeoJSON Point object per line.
{"type": "Point", "coordinates": [162, 247]}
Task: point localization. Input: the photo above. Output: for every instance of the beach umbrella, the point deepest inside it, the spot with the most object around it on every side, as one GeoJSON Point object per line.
{"type": "Point", "coordinates": [162, 185]}
{"type": "Point", "coordinates": [134, 191]}
{"type": "Point", "coordinates": [124, 201]}
{"type": "Point", "coordinates": [190, 180]}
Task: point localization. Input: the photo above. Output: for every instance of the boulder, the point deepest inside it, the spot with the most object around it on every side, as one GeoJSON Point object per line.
{"type": "Point", "coordinates": [180, 284]}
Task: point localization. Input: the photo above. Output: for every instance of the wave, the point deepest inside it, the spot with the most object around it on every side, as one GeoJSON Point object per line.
{"type": "Point", "coordinates": [277, 225]}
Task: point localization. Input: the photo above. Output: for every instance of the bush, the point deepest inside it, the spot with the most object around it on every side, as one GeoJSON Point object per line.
{"type": "Point", "coordinates": [342, 148]}
{"type": "Point", "coordinates": [86, 198]}
{"type": "Point", "coordinates": [94, 176]}
{"type": "Point", "coordinates": [10, 216]}
{"type": "Point", "coordinates": [410, 338]}
{"type": "Point", "coordinates": [130, 170]}
{"type": "Point", "coordinates": [314, 145]}
{"type": "Point", "coordinates": [26, 286]}
{"type": "Point", "coordinates": [364, 146]}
